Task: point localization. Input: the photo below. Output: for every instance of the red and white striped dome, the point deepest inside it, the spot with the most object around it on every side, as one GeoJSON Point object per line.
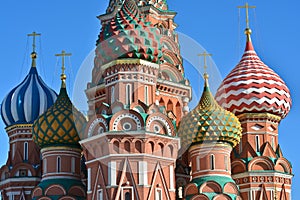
{"type": "Point", "coordinates": [253, 87]}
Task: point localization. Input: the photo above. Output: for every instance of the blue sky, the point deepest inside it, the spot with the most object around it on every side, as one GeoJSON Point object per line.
{"type": "Point", "coordinates": [216, 25]}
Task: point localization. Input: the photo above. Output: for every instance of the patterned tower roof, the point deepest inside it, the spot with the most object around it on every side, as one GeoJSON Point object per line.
{"type": "Point", "coordinates": [209, 122]}
{"type": "Point", "coordinates": [253, 87]}
{"type": "Point", "coordinates": [28, 100]}
{"type": "Point", "coordinates": [127, 35]}
{"type": "Point", "coordinates": [159, 4]}
{"type": "Point", "coordinates": [61, 124]}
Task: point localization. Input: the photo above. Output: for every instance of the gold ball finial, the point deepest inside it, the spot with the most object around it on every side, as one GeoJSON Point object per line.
{"type": "Point", "coordinates": [248, 31]}
{"type": "Point", "coordinates": [63, 77]}
{"type": "Point", "coordinates": [206, 76]}
{"type": "Point", "coordinates": [33, 55]}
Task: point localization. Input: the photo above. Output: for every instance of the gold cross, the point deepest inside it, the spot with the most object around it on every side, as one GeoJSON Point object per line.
{"type": "Point", "coordinates": [63, 55]}
{"type": "Point", "coordinates": [34, 35]}
{"type": "Point", "coordinates": [204, 54]}
{"type": "Point", "coordinates": [246, 6]}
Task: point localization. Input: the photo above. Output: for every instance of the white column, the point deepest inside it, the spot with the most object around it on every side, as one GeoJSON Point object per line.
{"type": "Point", "coordinates": [172, 177]}
{"type": "Point", "coordinates": [112, 175]}
{"type": "Point", "coordinates": [143, 173]}
{"type": "Point", "coordinates": [89, 181]}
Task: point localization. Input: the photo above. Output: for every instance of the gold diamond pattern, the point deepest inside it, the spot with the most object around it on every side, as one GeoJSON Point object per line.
{"type": "Point", "coordinates": [209, 122]}
{"type": "Point", "coordinates": [61, 124]}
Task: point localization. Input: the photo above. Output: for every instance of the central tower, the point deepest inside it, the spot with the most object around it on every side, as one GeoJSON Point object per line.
{"type": "Point", "coordinates": [136, 97]}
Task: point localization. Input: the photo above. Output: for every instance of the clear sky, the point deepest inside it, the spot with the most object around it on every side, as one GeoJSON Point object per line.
{"type": "Point", "coordinates": [216, 25]}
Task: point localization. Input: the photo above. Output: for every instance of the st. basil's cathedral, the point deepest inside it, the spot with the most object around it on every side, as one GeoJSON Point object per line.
{"type": "Point", "coordinates": [139, 141]}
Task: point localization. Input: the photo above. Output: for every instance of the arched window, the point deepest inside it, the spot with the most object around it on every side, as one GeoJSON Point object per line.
{"type": "Point", "coordinates": [25, 151]}
{"type": "Point", "coordinates": [112, 94]}
{"type": "Point", "coordinates": [257, 143]}
{"type": "Point", "coordinates": [273, 142]}
{"type": "Point", "coordinates": [212, 162]}
{"type": "Point", "coordinates": [58, 164]}
{"type": "Point", "coordinates": [127, 146]}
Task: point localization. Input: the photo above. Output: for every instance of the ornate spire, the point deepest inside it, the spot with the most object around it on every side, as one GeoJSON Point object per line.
{"type": "Point", "coordinates": [33, 54]}
{"type": "Point", "coordinates": [63, 76]}
{"type": "Point", "coordinates": [248, 31]}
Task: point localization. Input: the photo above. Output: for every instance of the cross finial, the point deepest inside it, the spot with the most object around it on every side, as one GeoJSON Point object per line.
{"type": "Point", "coordinates": [33, 54]}
{"type": "Point", "coordinates": [205, 54]}
{"type": "Point", "coordinates": [63, 54]}
{"type": "Point", "coordinates": [34, 35]}
{"type": "Point", "coordinates": [246, 6]}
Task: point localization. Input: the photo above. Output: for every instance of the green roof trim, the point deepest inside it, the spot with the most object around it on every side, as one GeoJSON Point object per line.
{"type": "Point", "coordinates": [65, 183]}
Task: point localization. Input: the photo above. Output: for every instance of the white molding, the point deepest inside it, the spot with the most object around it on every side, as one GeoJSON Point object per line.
{"type": "Point", "coordinates": [132, 133]}
{"type": "Point", "coordinates": [129, 155]}
{"type": "Point", "coordinates": [25, 179]}
{"type": "Point", "coordinates": [247, 174]}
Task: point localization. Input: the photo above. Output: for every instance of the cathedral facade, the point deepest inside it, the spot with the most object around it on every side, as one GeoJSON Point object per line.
{"type": "Point", "coordinates": [139, 140]}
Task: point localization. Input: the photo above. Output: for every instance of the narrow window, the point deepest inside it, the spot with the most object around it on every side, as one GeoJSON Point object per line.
{"type": "Point", "coordinates": [226, 162]}
{"type": "Point", "coordinates": [25, 151]}
{"type": "Point", "coordinates": [58, 164]}
{"type": "Point", "coordinates": [212, 162]}
{"type": "Point", "coordinates": [127, 196]}
{"type": "Point", "coordinates": [158, 195]}
{"type": "Point", "coordinates": [241, 146]}
{"type": "Point", "coordinates": [146, 95]}
{"type": "Point", "coordinates": [257, 143]}
{"type": "Point", "coordinates": [100, 195]}
{"type": "Point", "coordinates": [198, 163]}
{"type": "Point", "coordinates": [112, 93]}
{"type": "Point", "coordinates": [73, 165]}
{"type": "Point", "coordinates": [45, 166]}
{"type": "Point", "coordinates": [273, 142]}
{"type": "Point", "coordinates": [13, 150]}
{"type": "Point", "coordinates": [128, 94]}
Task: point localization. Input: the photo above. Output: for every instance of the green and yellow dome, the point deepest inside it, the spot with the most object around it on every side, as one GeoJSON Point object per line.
{"type": "Point", "coordinates": [209, 122]}
{"type": "Point", "coordinates": [60, 125]}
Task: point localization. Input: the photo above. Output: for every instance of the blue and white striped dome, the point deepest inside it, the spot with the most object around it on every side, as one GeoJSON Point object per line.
{"type": "Point", "coordinates": [27, 101]}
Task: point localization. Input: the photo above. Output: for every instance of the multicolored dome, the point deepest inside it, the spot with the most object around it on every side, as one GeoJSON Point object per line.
{"type": "Point", "coordinates": [159, 4]}
{"type": "Point", "coordinates": [28, 100]}
{"type": "Point", "coordinates": [209, 122]}
{"type": "Point", "coordinates": [127, 35]}
{"type": "Point", "coordinates": [253, 87]}
{"type": "Point", "coordinates": [60, 125]}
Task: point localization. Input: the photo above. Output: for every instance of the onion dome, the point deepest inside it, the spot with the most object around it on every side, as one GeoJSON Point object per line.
{"type": "Point", "coordinates": [127, 35]}
{"type": "Point", "coordinates": [28, 100]}
{"type": "Point", "coordinates": [209, 122]}
{"type": "Point", "coordinates": [253, 87]}
{"type": "Point", "coordinates": [61, 124]}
